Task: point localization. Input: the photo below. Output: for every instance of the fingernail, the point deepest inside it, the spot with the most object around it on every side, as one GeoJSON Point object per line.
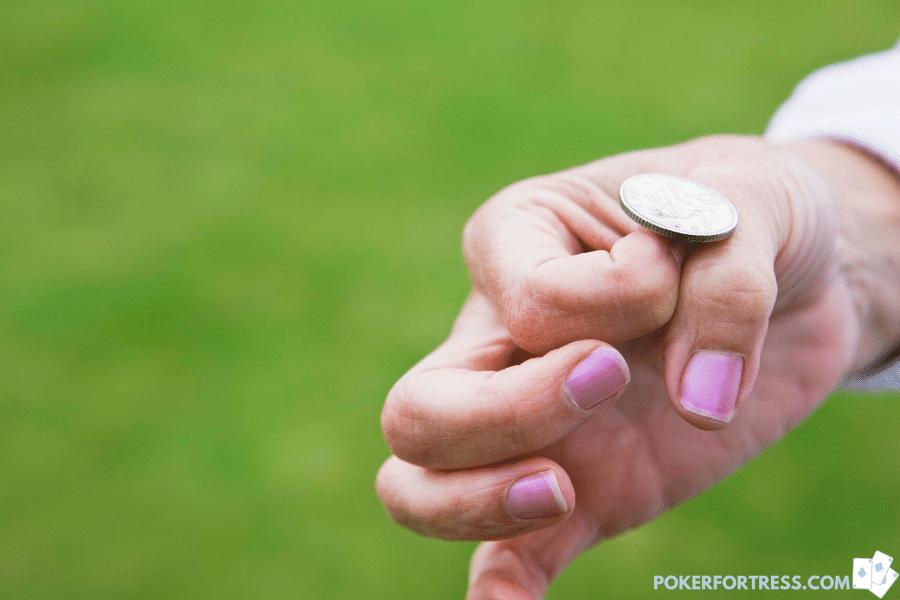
{"type": "Point", "coordinates": [536, 497]}
{"type": "Point", "coordinates": [596, 378]}
{"type": "Point", "coordinates": [710, 384]}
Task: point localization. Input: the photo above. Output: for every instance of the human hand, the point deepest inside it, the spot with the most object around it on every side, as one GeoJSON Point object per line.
{"type": "Point", "coordinates": [491, 444]}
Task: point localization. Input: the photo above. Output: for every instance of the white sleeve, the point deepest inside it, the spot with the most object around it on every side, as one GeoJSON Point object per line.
{"type": "Point", "coordinates": [857, 102]}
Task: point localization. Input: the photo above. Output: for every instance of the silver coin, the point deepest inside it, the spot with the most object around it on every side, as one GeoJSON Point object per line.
{"type": "Point", "coordinates": [678, 208]}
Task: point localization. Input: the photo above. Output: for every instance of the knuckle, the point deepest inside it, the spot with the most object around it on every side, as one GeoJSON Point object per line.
{"type": "Point", "coordinates": [400, 513]}
{"type": "Point", "coordinates": [745, 295]}
{"type": "Point", "coordinates": [390, 413]}
{"type": "Point", "coordinates": [653, 296]}
{"type": "Point", "coordinates": [645, 300]}
{"type": "Point", "coordinates": [418, 428]}
{"type": "Point", "coordinates": [395, 504]}
{"type": "Point", "coordinates": [383, 485]}
{"type": "Point", "coordinates": [480, 233]}
{"type": "Point", "coordinates": [453, 515]}
{"type": "Point", "coordinates": [472, 235]}
{"type": "Point", "coordinates": [400, 419]}
{"type": "Point", "coordinates": [525, 309]}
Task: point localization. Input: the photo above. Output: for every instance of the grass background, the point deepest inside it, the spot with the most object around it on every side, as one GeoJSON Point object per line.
{"type": "Point", "coordinates": [227, 227]}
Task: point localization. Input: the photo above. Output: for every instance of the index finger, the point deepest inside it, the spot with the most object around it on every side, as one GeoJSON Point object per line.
{"type": "Point", "coordinates": [563, 262]}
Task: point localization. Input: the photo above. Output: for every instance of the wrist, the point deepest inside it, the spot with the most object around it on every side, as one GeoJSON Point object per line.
{"type": "Point", "coordinates": [866, 197]}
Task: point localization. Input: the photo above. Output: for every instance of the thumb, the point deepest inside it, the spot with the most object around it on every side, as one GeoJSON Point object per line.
{"type": "Point", "coordinates": [728, 290]}
{"type": "Point", "coordinates": [523, 567]}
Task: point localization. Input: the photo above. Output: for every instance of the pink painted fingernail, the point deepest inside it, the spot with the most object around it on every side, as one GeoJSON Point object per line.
{"type": "Point", "coordinates": [536, 497]}
{"type": "Point", "coordinates": [596, 378]}
{"type": "Point", "coordinates": [710, 384]}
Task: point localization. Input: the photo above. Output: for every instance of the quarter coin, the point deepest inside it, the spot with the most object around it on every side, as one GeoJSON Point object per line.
{"type": "Point", "coordinates": [678, 207]}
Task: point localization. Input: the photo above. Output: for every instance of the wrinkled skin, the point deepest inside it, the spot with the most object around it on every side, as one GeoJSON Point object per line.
{"type": "Point", "coordinates": [490, 406]}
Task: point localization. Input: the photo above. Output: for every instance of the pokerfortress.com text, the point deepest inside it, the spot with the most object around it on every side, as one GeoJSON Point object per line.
{"type": "Point", "coordinates": [700, 583]}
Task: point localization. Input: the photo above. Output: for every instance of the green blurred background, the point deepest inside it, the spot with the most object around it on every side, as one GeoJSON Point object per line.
{"type": "Point", "coordinates": [227, 227]}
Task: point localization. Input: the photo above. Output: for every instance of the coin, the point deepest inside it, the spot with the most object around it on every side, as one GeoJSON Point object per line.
{"type": "Point", "coordinates": [677, 207]}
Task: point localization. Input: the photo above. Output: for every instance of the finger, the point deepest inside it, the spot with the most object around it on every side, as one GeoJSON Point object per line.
{"type": "Point", "coordinates": [727, 294]}
{"type": "Point", "coordinates": [453, 411]}
{"type": "Point", "coordinates": [562, 261]}
{"type": "Point", "coordinates": [478, 504]}
{"type": "Point", "coordinates": [523, 567]}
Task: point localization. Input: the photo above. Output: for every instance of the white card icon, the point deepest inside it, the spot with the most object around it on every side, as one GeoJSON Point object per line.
{"type": "Point", "coordinates": [862, 573]}
{"type": "Point", "coordinates": [881, 562]}
{"type": "Point", "coordinates": [880, 589]}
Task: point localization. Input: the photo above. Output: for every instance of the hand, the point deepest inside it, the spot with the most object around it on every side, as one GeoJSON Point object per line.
{"type": "Point", "coordinates": [493, 442]}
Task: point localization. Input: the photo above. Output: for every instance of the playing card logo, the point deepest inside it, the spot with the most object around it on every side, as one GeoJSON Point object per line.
{"type": "Point", "coordinates": [874, 574]}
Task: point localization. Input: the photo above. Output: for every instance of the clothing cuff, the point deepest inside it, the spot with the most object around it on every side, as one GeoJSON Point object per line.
{"type": "Point", "coordinates": [856, 102]}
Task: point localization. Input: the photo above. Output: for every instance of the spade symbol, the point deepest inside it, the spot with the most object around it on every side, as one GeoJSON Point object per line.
{"type": "Point", "coordinates": [862, 572]}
